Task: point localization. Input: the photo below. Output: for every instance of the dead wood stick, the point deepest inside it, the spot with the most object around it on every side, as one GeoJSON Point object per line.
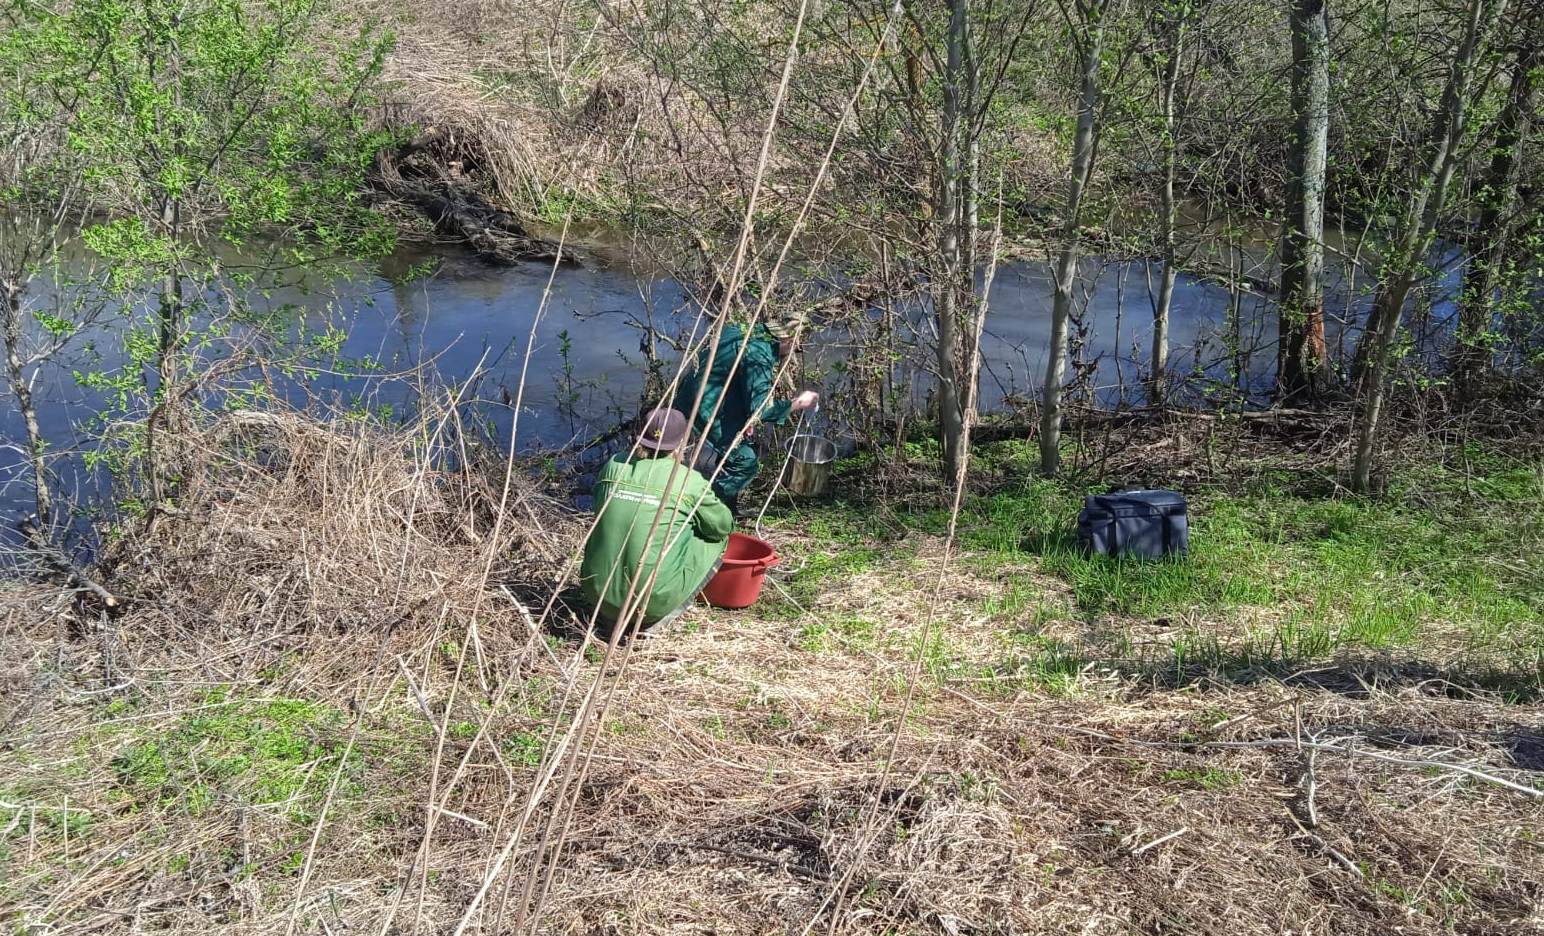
{"type": "Point", "coordinates": [463, 817]}
{"type": "Point", "coordinates": [423, 704]}
{"type": "Point", "coordinates": [1465, 769]}
{"type": "Point", "coordinates": [1160, 840]}
{"type": "Point", "coordinates": [530, 624]}
{"type": "Point", "coordinates": [1313, 788]}
{"type": "Point", "coordinates": [780, 863]}
{"type": "Point", "coordinates": [1325, 847]}
{"type": "Point", "coordinates": [56, 560]}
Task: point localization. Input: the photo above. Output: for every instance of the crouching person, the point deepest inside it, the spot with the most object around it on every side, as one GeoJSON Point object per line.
{"type": "Point", "coordinates": [627, 547]}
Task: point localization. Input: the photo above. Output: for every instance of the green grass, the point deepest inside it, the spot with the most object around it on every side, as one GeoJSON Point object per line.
{"type": "Point", "coordinates": [839, 633]}
{"type": "Point", "coordinates": [257, 753]}
{"type": "Point", "coordinates": [1447, 562]}
{"type": "Point", "coordinates": [273, 757]}
{"type": "Point", "coordinates": [225, 753]}
{"type": "Point", "coordinates": [845, 561]}
{"type": "Point", "coordinates": [1209, 778]}
{"type": "Point", "coordinates": [556, 205]}
{"type": "Point", "coordinates": [44, 812]}
{"type": "Point", "coordinates": [1039, 663]}
{"type": "Point", "coordinates": [523, 748]}
{"type": "Point", "coordinates": [839, 556]}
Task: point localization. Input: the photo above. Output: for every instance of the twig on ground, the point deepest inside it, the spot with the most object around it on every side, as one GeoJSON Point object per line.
{"type": "Point", "coordinates": [781, 864]}
{"type": "Point", "coordinates": [1324, 846]}
{"type": "Point", "coordinates": [1159, 841]}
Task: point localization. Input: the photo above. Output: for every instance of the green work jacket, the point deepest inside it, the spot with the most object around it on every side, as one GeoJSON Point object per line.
{"type": "Point", "coordinates": [692, 533]}
{"type": "Point", "coordinates": [748, 395]}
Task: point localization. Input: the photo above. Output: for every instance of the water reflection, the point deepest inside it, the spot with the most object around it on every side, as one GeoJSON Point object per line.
{"type": "Point", "coordinates": [586, 367]}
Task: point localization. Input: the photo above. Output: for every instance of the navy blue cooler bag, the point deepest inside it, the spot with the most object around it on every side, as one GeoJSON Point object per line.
{"type": "Point", "coordinates": [1137, 522]}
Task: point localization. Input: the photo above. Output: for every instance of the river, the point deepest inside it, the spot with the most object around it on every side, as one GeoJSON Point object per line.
{"type": "Point", "coordinates": [463, 317]}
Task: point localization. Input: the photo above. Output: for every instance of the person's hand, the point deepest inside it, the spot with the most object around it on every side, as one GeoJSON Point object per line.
{"type": "Point", "coordinates": [809, 399]}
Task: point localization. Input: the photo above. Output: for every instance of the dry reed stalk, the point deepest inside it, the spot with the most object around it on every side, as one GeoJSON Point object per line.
{"type": "Point", "coordinates": [638, 602]}
{"type": "Point", "coordinates": [733, 279]}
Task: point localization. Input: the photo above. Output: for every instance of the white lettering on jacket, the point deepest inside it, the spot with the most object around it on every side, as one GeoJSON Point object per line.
{"type": "Point", "coordinates": [635, 497]}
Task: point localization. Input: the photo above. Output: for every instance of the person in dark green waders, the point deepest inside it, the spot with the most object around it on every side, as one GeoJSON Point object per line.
{"type": "Point", "coordinates": [628, 546]}
{"type": "Point", "coordinates": [747, 398]}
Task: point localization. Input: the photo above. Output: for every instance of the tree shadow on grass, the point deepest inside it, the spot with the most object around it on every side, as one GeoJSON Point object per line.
{"type": "Point", "coordinates": [1362, 677]}
{"type": "Point", "coordinates": [1355, 676]}
{"type": "Point", "coordinates": [1525, 748]}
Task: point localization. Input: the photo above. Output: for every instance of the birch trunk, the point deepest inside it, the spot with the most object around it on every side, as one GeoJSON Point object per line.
{"type": "Point", "coordinates": [1168, 208]}
{"type": "Point", "coordinates": [1084, 144]}
{"type": "Point", "coordinates": [951, 424]}
{"type": "Point", "coordinates": [11, 325]}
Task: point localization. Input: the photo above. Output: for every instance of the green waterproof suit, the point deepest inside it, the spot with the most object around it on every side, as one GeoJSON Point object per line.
{"type": "Point", "coordinates": [748, 394]}
{"type": "Point", "coordinates": [689, 540]}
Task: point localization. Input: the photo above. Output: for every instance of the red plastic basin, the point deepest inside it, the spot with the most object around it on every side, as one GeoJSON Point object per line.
{"type": "Point", "coordinates": [738, 581]}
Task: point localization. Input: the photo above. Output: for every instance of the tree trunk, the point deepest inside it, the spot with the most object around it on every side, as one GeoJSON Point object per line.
{"type": "Point", "coordinates": [1175, 22]}
{"type": "Point", "coordinates": [951, 424]}
{"type": "Point", "coordinates": [1084, 144]}
{"type": "Point", "coordinates": [1498, 201]}
{"type": "Point", "coordinates": [11, 325]}
{"type": "Point", "coordinates": [1419, 226]}
{"type": "Point", "coordinates": [916, 82]}
{"type": "Point", "coordinates": [169, 311]}
{"type": "Point", "coordinates": [970, 180]}
{"type": "Point", "coordinates": [970, 198]}
{"type": "Point", "coordinates": [1301, 356]}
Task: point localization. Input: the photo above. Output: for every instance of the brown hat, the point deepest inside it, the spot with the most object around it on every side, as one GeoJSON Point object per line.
{"type": "Point", "coordinates": [663, 431]}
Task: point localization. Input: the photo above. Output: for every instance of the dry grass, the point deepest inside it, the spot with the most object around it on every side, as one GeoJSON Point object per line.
{"type": "Point", "coordinates": [555, 106]}
{"type": "Point", "coordinates": [648, 123]}
{"type": "Point", "coordinates": [312, 645]}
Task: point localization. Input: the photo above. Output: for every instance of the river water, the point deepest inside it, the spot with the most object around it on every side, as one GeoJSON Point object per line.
{"type": "Point", "coordinates": [464, 317]}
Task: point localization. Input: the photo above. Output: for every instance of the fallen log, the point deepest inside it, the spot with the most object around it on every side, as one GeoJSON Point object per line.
{"type": "Point", "coordinates": [490, 231]}
{"type": "Point", "coordinates": [431, 175]}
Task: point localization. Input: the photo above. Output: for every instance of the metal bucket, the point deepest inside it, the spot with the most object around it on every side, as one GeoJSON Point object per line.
{"type": "Point", "coordinates": [809, 464]}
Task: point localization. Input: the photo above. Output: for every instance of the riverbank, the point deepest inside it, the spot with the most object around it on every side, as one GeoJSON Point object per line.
{"type": "Point", "coordinates": [1334, 701]}
{"type": "Point", "coordinates": [625, 124]}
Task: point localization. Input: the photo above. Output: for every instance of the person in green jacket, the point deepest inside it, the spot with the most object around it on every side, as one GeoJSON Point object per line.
{"type": "Point", "coordinates": [746, 397]}
{"type": "Point", "coordinates": [627, 546]}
